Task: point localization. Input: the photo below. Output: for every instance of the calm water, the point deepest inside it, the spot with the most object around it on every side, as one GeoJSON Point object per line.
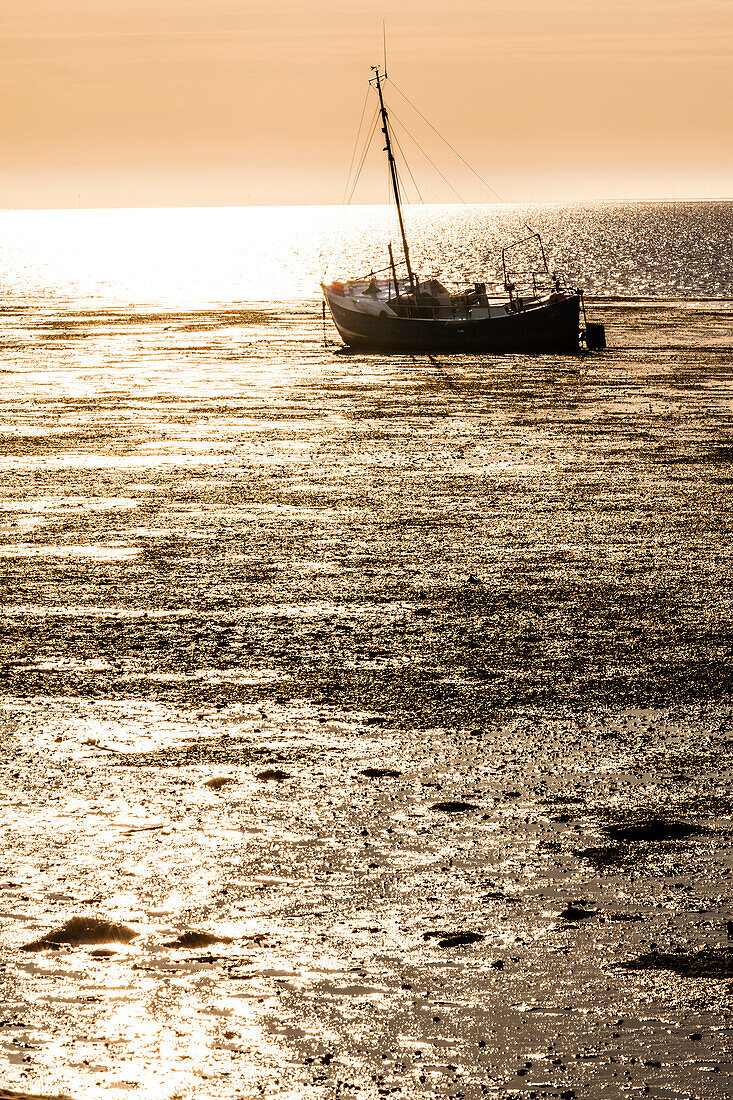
{"type": "Point", "coordinates": [229, 256]}
{"type": "Point", "coordinates": [271, 612]}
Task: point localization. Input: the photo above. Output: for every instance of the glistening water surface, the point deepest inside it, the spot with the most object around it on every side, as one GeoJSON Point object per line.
{"type": "Point", "coordinates": [229, 256]}
{"type": "Point", "coordinates": [387, 701]}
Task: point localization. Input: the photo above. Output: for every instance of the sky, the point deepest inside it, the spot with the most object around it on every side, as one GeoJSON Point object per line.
{"type": "Point", "coordinates": [238, 102]}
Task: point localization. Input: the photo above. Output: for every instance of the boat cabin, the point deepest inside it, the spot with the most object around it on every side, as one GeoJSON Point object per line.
{"type": "Point", "coordinates": [429, 299]}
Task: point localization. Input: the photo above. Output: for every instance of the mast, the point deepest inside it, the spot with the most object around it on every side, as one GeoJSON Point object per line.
{"type": "Point", "coordinates": [377, 79]}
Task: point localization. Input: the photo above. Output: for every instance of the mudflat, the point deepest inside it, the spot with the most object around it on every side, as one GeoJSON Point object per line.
{"type": "Point", "coordinates": [384, 703]}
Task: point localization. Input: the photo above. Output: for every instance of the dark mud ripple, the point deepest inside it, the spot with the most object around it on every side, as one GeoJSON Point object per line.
{"type": "Point", "coordinates": [656, 829]}
{"type": "Point", "coordinates": [82, 931]}
{"type": "Point", "coordinates": [714, 962]}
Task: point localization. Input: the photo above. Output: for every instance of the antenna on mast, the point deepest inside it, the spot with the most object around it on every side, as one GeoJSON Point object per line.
{"type": "Point", "coordinates": [384, 45]}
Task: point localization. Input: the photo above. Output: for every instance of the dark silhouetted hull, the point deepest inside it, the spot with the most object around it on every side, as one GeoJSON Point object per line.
{"type": "Point", "coordinates": [554, 327]}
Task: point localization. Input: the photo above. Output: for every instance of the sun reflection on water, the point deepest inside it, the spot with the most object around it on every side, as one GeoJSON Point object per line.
{"type": "Point", "coordinates": [197, 257]}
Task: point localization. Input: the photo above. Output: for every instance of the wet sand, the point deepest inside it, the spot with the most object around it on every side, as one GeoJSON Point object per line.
{"type": "Point", "coordinates": [365, 668]}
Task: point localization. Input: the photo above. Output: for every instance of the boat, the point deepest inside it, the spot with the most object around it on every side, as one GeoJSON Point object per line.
{"type": "Point", "coordinates": [403, 311]}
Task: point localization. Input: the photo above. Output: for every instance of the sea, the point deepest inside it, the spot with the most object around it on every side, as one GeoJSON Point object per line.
{"type": "Point", "coordinates": [366, 720]}
{"type": "Point", "coordinates": [230, 256]}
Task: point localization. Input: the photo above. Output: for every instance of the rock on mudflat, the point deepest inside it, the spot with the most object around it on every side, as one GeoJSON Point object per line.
{"type": "Point", "coordinates": [576, 911]}
{"type": "Point", "coordinates": [80, 931]}
{"type": "Point", "coordinates": [8, 1094]}
{"type": "Point", "coordinates": [458, 939]}
{"type": "Point", "coordinates": [454, 807]}
{"type": "Point", "coordinates": [452, 939]}
{"type": "Point", "coordinates": [197, 939]}
{"type": "Point", "coordinates": [380, 773]}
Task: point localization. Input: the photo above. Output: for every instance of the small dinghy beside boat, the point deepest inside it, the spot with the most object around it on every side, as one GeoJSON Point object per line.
{"type": "Point", "coordinates": [411, 313]}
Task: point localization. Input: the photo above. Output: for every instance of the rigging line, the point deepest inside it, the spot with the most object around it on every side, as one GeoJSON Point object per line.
{"type": "Point", "coordinates": [435, 166]}
{"type": "Point", "coordinates": [365, 151]}
{"type": "Point", "coordinates": [403, 189]}
{"type": "Point", "coordinates": [390, 218]}
{"type": "Point", "coordinates": [358, 135]}
{"type": "Point", "coordinates": [453, 150]}
{"type": "Point", "coordinates": [364, 155]}
{"type": "Point", "coordinates": [406, 162]}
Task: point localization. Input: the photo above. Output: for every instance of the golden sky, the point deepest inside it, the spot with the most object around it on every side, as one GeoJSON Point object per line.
{"type": "Point", "coordinates": [215, 102]}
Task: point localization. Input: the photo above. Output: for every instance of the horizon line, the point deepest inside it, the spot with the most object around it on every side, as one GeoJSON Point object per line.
{"type": "Point", "coordinates": [357, 206]}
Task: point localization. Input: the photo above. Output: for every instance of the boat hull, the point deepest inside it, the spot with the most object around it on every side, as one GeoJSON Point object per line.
{"type": "Point", "coordinates": [550, 328]}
